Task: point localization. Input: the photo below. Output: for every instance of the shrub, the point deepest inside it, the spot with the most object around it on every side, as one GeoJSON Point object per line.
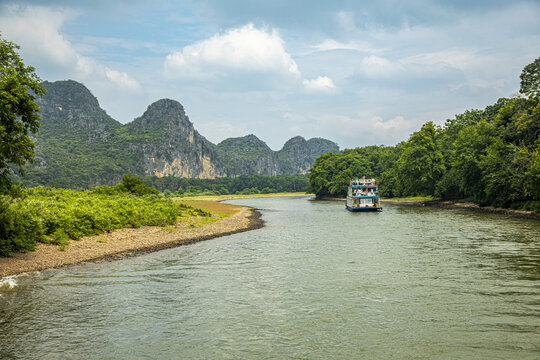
{"type": "Point", "coordinates": [56, 215]}
{"type": "Point", "coordinates": [135, 186]}
{"type": "Point", "coordinates": [19, 227]}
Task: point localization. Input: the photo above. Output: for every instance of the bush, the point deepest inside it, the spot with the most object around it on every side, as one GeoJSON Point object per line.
{"type": "Point", "coordinates": [135, 186]}
{"type": "Point", "coordinates": [249, 191]}
{"type": "Point", "coordinates": [56, 215]}
{"type": "Point", "coordinates": [20, 229]}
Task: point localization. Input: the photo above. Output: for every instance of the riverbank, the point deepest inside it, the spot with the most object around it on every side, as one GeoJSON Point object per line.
{"type": "Point", "coordinates": [123, 242]}
{"type": "Point", "coordinates": [478, 208]}
{"type": "Point", "coordinates": [449, 205]}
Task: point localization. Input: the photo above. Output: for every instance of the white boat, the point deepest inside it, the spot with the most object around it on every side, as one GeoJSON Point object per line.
{"type": "Point", "coordinates": [363, 195]}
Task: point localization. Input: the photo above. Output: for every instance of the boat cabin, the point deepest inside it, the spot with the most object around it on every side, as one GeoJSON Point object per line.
{"type": "Point", "coordinates": [363, 195]}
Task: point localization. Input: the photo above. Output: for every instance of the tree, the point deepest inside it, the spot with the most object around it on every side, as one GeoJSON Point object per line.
{"type": "Point", "coordinates": [136, 186]}
{"type": "Point", "coordinates": [530, 79]}
{"type": "Point", "coordinates": [420, 165]}
{"type": "Point", "coordinates": [19, 113]}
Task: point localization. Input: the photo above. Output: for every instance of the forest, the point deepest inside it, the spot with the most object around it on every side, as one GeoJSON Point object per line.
{"type": "Point", "coordinates": [243, 185]}
{"type": "Point", "coordinates": [488, 156]}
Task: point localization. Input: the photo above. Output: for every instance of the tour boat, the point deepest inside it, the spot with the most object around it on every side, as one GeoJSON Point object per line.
{"type": "Point", "coordinates": [363, 195]}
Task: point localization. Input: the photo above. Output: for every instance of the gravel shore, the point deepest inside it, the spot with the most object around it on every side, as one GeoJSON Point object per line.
{"type": "Point", "coordinates": [123, 242]}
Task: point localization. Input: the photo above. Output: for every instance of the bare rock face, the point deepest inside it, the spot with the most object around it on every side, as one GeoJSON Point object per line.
{"type": "Point", "coordinates": [79, 145]}
{"type": "Point", "coordinates": [168, 145]}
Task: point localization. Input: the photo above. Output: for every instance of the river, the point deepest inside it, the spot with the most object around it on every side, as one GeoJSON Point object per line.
{"type": "Point", "coordinates": [316, 282]}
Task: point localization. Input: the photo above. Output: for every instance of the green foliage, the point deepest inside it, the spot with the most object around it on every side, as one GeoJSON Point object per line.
{"type": "Point", "coordinates": [19, 114]}
{"type": "Point", "coordinates": [57, 215]}
{"type": "Point", "coordinates": [20, 228]}
{"type": "Point", "coordinates": [249, 191]}
{"type": "Point", "coordinates": [530, 79]}
{"type": "Point", "coordinates": [490, 156]}
{"type": "Point", "coordinates": [245, 184]}
{"type": "Point", "coordinates": [331, 173]}
{"type": "Point", "coordinates": [135, 186]}
{"type": "Point", "coordinates": [420, 165]}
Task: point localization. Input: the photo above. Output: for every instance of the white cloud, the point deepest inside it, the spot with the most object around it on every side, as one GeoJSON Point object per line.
{"type": "Point", "coordinates": [36, 30]}
{"type": "Point", "coordinates": [375, 66]}
{"type": "Point", "coordinates": [320, 84]}
{"type": "Point", "coordinates": [121, 79]}
{"type": "Point", "coordinates": [244, 49]}
{"type": "Point", "coordinates": [459, 59]}
{"type": "Point", "coordinates": [398, 125]}
{"type": "Point", "coordinates": [363, 128]}
{"type": "Point", "coordinates": [345, 20]}
{"type": "Point", "coordinates": [331, 44]}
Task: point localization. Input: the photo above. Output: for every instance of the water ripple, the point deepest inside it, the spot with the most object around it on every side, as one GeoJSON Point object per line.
{"type": "Point", "coordinates": [316, 282]}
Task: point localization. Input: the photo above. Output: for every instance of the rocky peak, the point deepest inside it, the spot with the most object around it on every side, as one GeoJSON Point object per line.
{"type": "Point", "coordinates": [249, 142]}
{"type": "Point", "coordinates": [299, 155]}
{"type": "Point", "coordinates": [294, 144]}
{"type": "Point", "coordinates": [320, 146]}
{"type": "Point", "coordinates": [164, 114]}
{"type": "Point", "coordinates": [165, 107]}
{"type": "Point", "coordinates": [69, 95]}
{"type": "Point", "coordinates": [70, 106]}
{"type": "Point", "coordinates": [79, 144]}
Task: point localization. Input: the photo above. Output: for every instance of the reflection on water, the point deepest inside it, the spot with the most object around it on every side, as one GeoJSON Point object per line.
{"type": "Point", "coordinates": [317, 282]}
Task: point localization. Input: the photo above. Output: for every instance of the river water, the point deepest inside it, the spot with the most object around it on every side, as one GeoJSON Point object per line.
{"type": "Point", "coordinates": [317, 282]}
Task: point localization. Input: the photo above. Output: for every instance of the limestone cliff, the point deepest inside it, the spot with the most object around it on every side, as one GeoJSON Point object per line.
{"type": "Point", "coordinates": [168, 145]}
{"type": "Point", "coordinates": [79, 145]}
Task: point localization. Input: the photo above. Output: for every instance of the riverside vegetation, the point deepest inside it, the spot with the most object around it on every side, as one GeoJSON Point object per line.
{"type": "Point", "coordinates": [74, 126]}
{"type": "Point", "coordinates": [51, 215]}
{"type": "Point", "coordinates": [240, 185]}
{"type": "Point", "coordinates": [490, 156]}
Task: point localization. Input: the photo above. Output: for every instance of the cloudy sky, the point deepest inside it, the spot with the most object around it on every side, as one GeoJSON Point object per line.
{"type": "Point", "coordinates": [356, 72]}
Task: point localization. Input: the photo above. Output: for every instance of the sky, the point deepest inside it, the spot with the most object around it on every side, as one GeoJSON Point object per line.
{"type": "Point", "coordinates": [356, 72]}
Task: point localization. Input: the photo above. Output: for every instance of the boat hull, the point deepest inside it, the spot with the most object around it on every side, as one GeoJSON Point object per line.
{"type": "Point", "coordinates": [363, 209]}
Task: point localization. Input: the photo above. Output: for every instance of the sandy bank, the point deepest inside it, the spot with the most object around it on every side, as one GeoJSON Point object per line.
{"type": "Point", "coordinates": [119, 243]}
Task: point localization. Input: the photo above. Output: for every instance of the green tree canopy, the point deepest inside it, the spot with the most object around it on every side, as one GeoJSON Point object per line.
{"type": "Point", "coordinates": [19, 114]}
{"type": "Point", "coordinates": [530, 79]}
{"type": "Point", "coordinates": [420, 165]}
{"type": "Point", "coordinates": [135, 185]}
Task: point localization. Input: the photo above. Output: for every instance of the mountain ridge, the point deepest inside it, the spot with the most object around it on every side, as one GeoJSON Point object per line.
{"type": "Point", "coordinates": [80, 145]}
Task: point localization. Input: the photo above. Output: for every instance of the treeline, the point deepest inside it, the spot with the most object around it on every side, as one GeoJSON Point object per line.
{"type": "Point", "coordinates": [490, 157]}
{"type": "Point", "coordinates": [244, 184]}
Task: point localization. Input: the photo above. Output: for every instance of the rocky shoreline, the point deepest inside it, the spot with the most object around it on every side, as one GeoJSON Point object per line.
{"type": "Point", "coordinates": [126, 242]}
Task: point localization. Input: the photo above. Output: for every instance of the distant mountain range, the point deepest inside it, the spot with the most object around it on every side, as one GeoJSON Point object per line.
{"type": "Point", "coordinates": [79, 145]}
